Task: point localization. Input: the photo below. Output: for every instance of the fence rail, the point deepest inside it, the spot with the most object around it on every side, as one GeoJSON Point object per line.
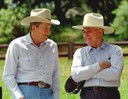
{"type": "Point", "coordinates": [67, 49]}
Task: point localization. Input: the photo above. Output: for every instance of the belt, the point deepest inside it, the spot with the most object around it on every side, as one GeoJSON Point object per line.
{"type": "Point", "coordinates": [39, 84]}
{"type": "Point", "coordinates": [99, 88]}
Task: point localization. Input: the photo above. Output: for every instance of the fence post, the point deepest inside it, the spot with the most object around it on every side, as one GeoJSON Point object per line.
{"type": "Point", "coordinates": [70, 50]}
{"type": "Point", "coordinates": [0, 92]}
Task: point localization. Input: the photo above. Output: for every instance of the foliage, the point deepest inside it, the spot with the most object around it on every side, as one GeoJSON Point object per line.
{"type": "Point", "coordinates": [121, 20]}
{"type": "Point", "coordinates": [10, 26]}
{"type": "Point", "coordinates": [105, 7]}
{"type": "Point", "coordinates": [65, 33]}
{"type": "Point", "coordinates": [67, 11]}
{"type": "Point", "coordinates": [13, 12]}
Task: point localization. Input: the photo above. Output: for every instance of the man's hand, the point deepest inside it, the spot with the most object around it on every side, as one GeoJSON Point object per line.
{"type": "Point", "coordinates": [104, 64]}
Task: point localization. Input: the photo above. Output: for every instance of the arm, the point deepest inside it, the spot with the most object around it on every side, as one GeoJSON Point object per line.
{"type": "Point", "coordinates": [56, 83]}
{"type": "Point", "coordinates": [114, 72]}
{"type": "Point", "coordinates": [56, 78]}
{"type": "Point", "coordinates": [10, 69]}
{"type": "Point", "coordinates": [80, 72]}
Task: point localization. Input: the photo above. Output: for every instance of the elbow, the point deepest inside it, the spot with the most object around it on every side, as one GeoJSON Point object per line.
{"type": "Point", "coordinates": [3, 78]}
{"type": "Point", "coordinates": [75, 75]}
{"type": "Point", "coordinates": [75, 78]}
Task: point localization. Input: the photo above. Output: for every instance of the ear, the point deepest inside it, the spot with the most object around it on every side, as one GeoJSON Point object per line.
{"type": "Point", "coordinates": [33, 27]}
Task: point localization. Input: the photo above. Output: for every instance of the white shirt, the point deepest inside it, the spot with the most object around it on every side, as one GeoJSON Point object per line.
{"type": "Point", "coordinates": [25, 62]}
{"type": "Point", "coordinates": [85, 65]}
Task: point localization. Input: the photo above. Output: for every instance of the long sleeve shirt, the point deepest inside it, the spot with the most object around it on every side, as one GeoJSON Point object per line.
{"type": "Point", "coordinates": [85, 65]}
{"type": "Point", "coordinates": [25, 62]}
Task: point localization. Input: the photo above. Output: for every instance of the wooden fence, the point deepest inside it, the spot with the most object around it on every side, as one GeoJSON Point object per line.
{"type": "Point", "coordinates": [67, 49]}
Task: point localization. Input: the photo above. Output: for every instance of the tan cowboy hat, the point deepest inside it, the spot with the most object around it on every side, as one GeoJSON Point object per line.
{"type": "Point", "coordinates": [39, 15]}
{"type": "Point", "coordinates": [94, 20]}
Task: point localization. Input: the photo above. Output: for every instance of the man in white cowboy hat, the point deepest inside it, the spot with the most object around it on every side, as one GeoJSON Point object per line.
{"type": "Point", "coordinates": [31, 67]}
{"type": "Point", "coordinates": [99, 63]}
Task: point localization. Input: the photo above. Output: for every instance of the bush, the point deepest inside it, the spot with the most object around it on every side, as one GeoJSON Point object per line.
{"type": "Point", "coordinates": [121, 20]}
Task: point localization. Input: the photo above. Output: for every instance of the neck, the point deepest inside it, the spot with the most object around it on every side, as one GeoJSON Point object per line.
{"type": "Point", "coordinates": [98, 44]}
{"type": "Point", "coordinates": [35, 39]}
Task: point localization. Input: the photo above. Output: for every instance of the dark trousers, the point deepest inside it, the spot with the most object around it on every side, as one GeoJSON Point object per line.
{"type": "Point", "coordinates": [100, 93]}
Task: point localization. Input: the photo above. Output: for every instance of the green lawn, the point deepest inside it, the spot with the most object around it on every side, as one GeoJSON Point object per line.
{"type": "Point", "coordinates": [65, 66]}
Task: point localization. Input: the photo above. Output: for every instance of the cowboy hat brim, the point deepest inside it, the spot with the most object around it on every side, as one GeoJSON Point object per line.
{"type": "Point", "coordinates": [30, 19]}
{"type": "Point", "coordinates": [73, 87]}
{"type": "Point", "coordinates": [107, 29]}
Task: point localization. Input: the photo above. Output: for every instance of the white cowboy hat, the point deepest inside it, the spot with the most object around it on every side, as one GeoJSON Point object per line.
{"type": "Point", "coordinates": [94, 20]}
{"type": "Point", "coordinates": [39, 15]}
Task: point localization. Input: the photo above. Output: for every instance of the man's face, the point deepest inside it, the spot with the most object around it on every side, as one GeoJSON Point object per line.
{"type": "Point", "coordinates": [43, 31]}
{"type": "Point", "coordinates": [93, 36]}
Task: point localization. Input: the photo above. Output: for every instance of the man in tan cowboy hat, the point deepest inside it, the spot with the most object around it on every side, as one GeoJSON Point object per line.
{"type": "Point", "coordinates": [31, 67]}
{"type": "Point", "coordinates": [99, 63]}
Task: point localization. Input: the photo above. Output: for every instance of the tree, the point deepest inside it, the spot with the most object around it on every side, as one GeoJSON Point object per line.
{"type": "Point", "coordinates": [105, 7]}
{"type": "Point", "coordinates": [11, 12]}
{"type": "Point", "coordinates": [15, 10]}
{"type": "Point", "coordinates": [67, 11]}
{"type": "Point", "coordinates": [120, 22]}
{"type": "Point", "coordinates": [10, 26]}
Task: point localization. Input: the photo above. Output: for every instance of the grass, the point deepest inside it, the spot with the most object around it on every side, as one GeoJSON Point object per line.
{"type": "Point", "coordinates": [65, 67]}
{"type": "Point", "coordinates": [5, 93]}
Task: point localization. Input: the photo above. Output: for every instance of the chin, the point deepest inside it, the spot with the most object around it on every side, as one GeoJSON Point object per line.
{"type": "Point", "coordinates": [45, 39]}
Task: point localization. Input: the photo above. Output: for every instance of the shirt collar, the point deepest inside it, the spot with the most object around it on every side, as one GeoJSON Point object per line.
{"type": "Point", "coordinates": [29, 40]}
{"type": "Point", "coordinates": [101, 47]}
